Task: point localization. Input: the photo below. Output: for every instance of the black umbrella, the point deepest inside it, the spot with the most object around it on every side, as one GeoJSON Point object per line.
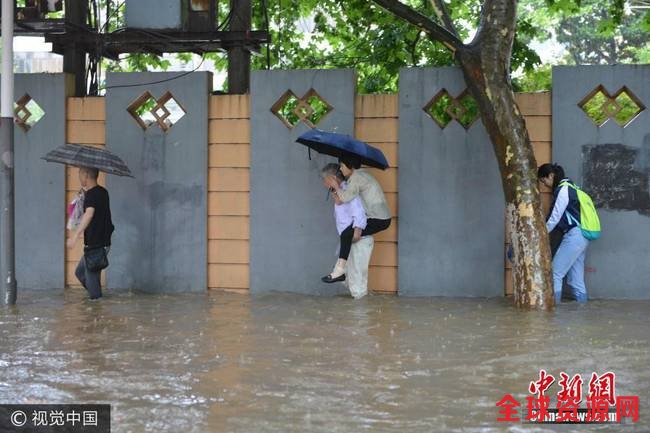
{"type": "Point", "coordinates": [86, 156]}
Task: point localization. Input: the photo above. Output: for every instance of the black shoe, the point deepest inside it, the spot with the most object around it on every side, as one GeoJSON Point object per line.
{"type": "Point", "coordinates": [328, 279]}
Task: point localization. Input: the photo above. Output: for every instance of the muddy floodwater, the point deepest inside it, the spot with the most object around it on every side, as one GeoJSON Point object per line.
{"type": "Point", "coordinates": [225, 362]}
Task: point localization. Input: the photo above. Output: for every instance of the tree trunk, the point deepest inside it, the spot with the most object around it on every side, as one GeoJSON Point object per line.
{"type": "Point", "coordinates": [486, 67]}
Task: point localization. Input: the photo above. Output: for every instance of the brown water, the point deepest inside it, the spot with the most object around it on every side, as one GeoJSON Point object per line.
{"type": "Point", "coordinates": [220, 362]}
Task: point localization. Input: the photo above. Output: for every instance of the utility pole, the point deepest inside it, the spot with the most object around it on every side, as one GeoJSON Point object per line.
{"type": "Point", "coordinates": [239, 58]}
{"type": "Point", "coordinates": [74, 57]}
{"type": "Point", "coordinates": [7, 213]}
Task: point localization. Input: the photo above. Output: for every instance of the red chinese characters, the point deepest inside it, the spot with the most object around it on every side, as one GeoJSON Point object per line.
{"type": "Point", "coordinates": [597, 409]}
{"type": "Point", "coordinates": [569, 397]}
{"type": "Point", "coordinates": [509, 404]}
{"type": "Point", "coordinates": [538, 406]}
{"type": "Point", "coordinates": [603, 386]}
{"type": "Point", "coordinates": [627, 406]}
{"type": "Point", "coordinates": [600, 400]}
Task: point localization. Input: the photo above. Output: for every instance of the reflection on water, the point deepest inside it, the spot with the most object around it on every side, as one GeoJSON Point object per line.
{"type": "Point", "coordinates": [221, 362]}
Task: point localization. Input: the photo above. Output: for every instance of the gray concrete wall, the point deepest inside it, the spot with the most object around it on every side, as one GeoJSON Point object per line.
{"type": "Point", "coordinates": [612, 163]}
{"type": "Point", "coordinates": [40, 186]}
{"type": "Point", "coordinates": [451, 205]}
{"type": "Point", "coordinates": [168, 14]}
{"type": "Point", "coordinates": [293, 236]}
{"type": "Point", "coordinates": [160, 240]}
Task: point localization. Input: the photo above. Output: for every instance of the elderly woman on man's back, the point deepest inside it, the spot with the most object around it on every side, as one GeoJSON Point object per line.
{"type": "Point", "coordinates": [354, 190]}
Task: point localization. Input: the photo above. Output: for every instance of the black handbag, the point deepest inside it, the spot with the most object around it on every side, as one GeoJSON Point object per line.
{"type": "Point", "coordinates": [96, 259]}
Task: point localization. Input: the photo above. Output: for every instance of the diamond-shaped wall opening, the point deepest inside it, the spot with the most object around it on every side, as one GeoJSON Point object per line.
{"type": "Point", "coordinates": [600, 106]}
{"type": "Point", "coordinates": [168, 111]}
{"type": "Point", "coordinates": [141, 110]}
{"type": "Point", "coordinates": [285, 109]}
{"type": "Point", "coordinates": [471, 112]}
{"type": "Point", "coordinates": [165, 112]}
{"type": "Point", "coordinates": [320, 107]}
{"type": "Point", "coordinates": [593, 105]}
{"type": "Point", "coordinates": [439, 108]}
{"type": "Point", "coordinates": [310, 109]}
{"type": "Point", "coordinates": [630, 106]}
{"type": "Point", "coordinates": [27, 112]}
{"type": "Point", "coordinates": [443, 108]}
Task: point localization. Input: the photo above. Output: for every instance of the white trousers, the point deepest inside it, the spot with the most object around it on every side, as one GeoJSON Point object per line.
{"type": "Point", "coordinates": [357, 267]}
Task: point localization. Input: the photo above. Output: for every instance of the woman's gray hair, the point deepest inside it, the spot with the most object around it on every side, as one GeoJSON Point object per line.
{"type": "Point", "coordinates": [332, 169]}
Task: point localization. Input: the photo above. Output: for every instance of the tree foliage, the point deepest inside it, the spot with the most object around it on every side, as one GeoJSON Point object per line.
{"type": "Point", "coordinates": [592, 31]}
{"type": "Point", "coordinates": [358, 34]}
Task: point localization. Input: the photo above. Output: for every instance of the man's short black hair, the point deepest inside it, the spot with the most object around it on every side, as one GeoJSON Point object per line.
{"type": "Point", "coordinates": [93, 173]}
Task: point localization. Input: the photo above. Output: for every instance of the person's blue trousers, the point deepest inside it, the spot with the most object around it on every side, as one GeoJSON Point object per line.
{"type": "Point", "coordinates": [569, 261]}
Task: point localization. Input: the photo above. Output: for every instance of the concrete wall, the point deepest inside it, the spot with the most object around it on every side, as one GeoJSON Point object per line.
{"type": "Point", "coordinates": [39, 186]}
{"type": "Point", "coordinates": [376, 121]}
{"type": "Point", "coordinates": [451, 201]}
{"type": "Point", "coordinates": [160, 242]}
{"type": "Point", "coordinates": [168, 14]}
{"type": "Point", "coordinates": [293, 236]}
{"type": "Point", "coordinates": [612, 162]}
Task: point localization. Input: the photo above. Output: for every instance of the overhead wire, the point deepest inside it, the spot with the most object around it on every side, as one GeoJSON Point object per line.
{"type": "Point", "coordinates": [166, 38]}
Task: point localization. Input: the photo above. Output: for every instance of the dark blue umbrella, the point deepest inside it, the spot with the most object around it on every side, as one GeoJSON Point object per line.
{"type": "Point", "coordinates": [338, 145]}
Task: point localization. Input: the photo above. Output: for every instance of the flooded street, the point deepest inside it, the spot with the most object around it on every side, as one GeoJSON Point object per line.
{"type": "Point", "coordinates": [223, 362]}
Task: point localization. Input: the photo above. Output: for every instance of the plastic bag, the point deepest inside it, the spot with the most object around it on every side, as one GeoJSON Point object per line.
{"type": "Point", "coordinates": [75, 211]}
{"type": "Point", "coordinates": [357, 267]}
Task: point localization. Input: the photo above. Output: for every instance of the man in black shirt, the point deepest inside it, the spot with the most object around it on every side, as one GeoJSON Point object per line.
{"type": "Point", "coordinates": [96, 226]}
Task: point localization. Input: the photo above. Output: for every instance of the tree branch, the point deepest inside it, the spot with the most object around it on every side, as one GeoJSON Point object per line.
{"type": "Point", "coordinates": [431, 28]}
{"type": "Point", "coordinates": [443, 15]}
{"type": "Point", "coordinates": [414, 46]}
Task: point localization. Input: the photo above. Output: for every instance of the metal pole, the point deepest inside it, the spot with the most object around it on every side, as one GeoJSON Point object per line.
{"type": "Point", "coordinates": [7, 232]}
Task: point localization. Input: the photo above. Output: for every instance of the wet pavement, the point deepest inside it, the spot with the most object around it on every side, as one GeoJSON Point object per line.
{"type": "Point", "coordinates": [224, 362]}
